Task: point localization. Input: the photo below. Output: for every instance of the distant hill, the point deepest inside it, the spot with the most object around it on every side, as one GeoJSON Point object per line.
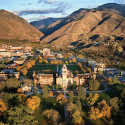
{"type": "Point", "coordinates": [14, 27]}
{"type": "Point", "coordinates": [100, 23]}
{"type": "Point", "coordinates": [43, 24]}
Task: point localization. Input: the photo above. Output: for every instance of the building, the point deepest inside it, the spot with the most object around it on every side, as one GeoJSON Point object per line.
{"type": "Point", "coordinates": [26, 87]}
{"type": "Point", "coordinates": [43, 79]}
{"type": "Point", "coordinates": [12, 66]}
{"type": "Point", "coordinates": [19, 60]}
{"type": "Point", "coordinates": [28, 48]}
{"type": "Point", "coordinates": [5, 54]}
{"type": "Point", "coordinates": [5, 74]}
{"type": "Point", "coordinates": [46, 52]}
{"type": "Point", "coordinates": [66, 78]}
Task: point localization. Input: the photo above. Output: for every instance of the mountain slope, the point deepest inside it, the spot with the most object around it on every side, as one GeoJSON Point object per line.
{"type": "Point", "coordinates": [14, 27]}
{"type": "Point", "coordinates": [88, 24]}
{"type": "Point", "coordinates": [43, 24]}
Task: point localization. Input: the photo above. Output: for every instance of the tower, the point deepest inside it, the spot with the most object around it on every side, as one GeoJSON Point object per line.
{"type": "Point", "coordinates": [64, 76]}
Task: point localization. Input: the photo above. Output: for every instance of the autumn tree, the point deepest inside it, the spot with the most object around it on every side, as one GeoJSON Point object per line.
{"type": "Point", "coordinates": [61, 99]}
{"type": "Point", "coordinates": [50, 93]}
{"type": "Point", "coordinates": [45, 91]}
{"type": "Point", "coordinates": [110, 80]}
{"type": "Point", "coordinates": [71, 108]}
{"type": "Point", "coordinates": [92, 98]}
{"type": "Point", "coordinates": [20, 91]}
{"type": "Point", "coordinates": [21, 115]}
{"type": "Point", "coordinates": [52, 115]}
{"type": "Point", "coordinates": [3, 108]}
{"type": "Point", "coordinates": [115, 79]}
{"type": "Point", "coordinates": [24, 71]}
{"type": "Point", "coordinates": [29, 65]}
{"type": "Point", "coordinates": [33, 102]}
{"type": "Point", "coordinates": [74, 60]}
{"type": "Point", "coordinates": [76, 117]}
{"type": "Point", "coordinates": [29, 81]}
{"type": "Point", "coordinates": [94, 84]}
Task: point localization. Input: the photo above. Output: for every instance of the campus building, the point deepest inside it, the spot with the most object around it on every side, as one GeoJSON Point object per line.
{"type": "Point", "coordinates": [64, 78]}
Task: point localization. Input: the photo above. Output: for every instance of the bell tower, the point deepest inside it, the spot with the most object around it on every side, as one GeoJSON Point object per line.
{"type": "Point", "coordinates": [64, 75]}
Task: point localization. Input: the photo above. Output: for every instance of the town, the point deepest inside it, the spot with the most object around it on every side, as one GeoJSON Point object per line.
{"type": "Point", "coordinates": [69, 84]}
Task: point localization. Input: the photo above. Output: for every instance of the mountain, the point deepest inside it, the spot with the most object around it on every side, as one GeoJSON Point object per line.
{"type": "Point", "coordinates": [96, 24]}
{"type": "Point", "coordinates": [14, 27]}
{"type": "Point", "coordinates": [43, 24]}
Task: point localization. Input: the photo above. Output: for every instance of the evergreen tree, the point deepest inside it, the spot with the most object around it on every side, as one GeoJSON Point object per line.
{"type": "Point", "coordinates": [96, 85]}
{"type": "Point", "coordinates": [70, 100]}
{"type": "Point", "coordinates": [45, 91]}
{"type": "Point", "coordinates": [79, 106]}
{"type": "Point", "coordinates": [83, 94]}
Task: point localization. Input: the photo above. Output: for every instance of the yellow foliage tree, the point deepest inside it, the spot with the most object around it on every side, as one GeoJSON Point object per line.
{"type": "Point", "coordinates": [29, 65]}
{"type": "Point", "coordinates": [92, 98]}
{"type": "Point", "coordinates": [76, 117]}
{"type": "Point", "coordinates": [33, 102]}
{"type": "Point", "coordinates": [74, 60]}
{"type": "Point", "coordinates": [2, 107]}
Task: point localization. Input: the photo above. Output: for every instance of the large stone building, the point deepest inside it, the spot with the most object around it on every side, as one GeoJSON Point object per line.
{"type": "Point", "coordinates": [43, 79]}
{"type": "Point", "coordinates": [64, 78]}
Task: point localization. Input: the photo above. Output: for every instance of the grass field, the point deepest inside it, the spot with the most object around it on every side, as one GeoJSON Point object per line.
{"type": "Point", "coordinates": [70, 67]}
{"type": "Point", "coordinates": [43, 67]}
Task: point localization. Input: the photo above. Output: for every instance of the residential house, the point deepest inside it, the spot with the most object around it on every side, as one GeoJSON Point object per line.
{"type": "Point", "coordinates": [26, 87]}
{"type": "Point", "coordinates": [19, 60]}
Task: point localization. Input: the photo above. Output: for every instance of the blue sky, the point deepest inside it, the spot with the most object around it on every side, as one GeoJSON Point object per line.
{"type": "Point", "coordinates": [40, 9]}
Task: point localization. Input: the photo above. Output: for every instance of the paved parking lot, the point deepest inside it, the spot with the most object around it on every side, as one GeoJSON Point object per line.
{"type": "Point", "coordinates": [111, 74]}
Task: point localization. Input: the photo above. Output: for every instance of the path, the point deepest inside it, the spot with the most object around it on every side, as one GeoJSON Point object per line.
{"type": "Point", "coordinates": [57, 69]}
{"type": "Point", "coordinates": [66, 114]}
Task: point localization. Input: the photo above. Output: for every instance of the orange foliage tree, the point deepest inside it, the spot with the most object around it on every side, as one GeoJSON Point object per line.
{"type": "Point", "coordinates": [3, 108]}
{"type": "Point", "coordinates": [20, 91]}
{"type": "Point", "coordinates": [61, 99]}
{"type": "Point", "coordinates": [33, 102]}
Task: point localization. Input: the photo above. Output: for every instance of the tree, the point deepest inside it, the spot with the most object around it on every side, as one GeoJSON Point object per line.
{"type": "Point", "coordinates": [71, 108]}
{"type": "Point", "coordinates": [29, 81]}
{"type": "Point", "coordinates": [115, 79]}
{"type": "Point", "coordinates": [12, 83]}
{"type": "Point", "coordinates": [21, 99]}
{"type": "Point", "coordinates": [96, 85]}
{"type": "Point", "coordinates": [81, 93]}
{"type": "Point", "coordinates": [76, 117]}
{"type": "Point", "coordinates": [20, 91]}
{"type": "Point", "coordinates": [61, 99]}
{"type": "Point", "coordinates": [109, 80]}
{"type": "Point", "coordinates": [114, 105]}
{"type": "Point", "coordinates": [70, 99]}
{"type": "Point", "coordinates": [33, 102]}
{"type": "Point", "coordinates": [79, 106]}
{"type": "Point", "coordinates": [24, 71]}
{"type": "Point", "coordinates": [74, 60]}
{"type": "Point", "coordinates": [21, 115]}
{"type": "Point", "coordinates": [29, 65]}
{"type": "Point", "coordinates": [2, 85]}
{"type": "Point", "coordinates": [3, 108]}
{"type": "Point", "coordinates": [45, 91]}
{"type": "Point", "coordinates": [91, 84]}
{"type": "Point", "coordinates": [66, 62]}
{"type": "Point", "coordinates": [92, 98]}
{"type": "Point", "coordinates": [50, 93]}
{"type": "Point", "coordinates": [52, 115]}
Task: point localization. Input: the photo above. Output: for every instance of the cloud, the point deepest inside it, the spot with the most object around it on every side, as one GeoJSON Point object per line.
{"type": "Point", "coordinates": [50, 2]}
{"type": "Point", "coordinates": [29, 3]}
{"type": "Point", "coordinates": [35, 18]}
{"type": "Point", "coordinates": [120, 1]}
{"type": "Point", "coordinates": [45, 11]}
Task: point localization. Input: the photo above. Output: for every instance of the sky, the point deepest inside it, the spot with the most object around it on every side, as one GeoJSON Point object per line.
{"type": "Point", "coordinates": [32, 10]}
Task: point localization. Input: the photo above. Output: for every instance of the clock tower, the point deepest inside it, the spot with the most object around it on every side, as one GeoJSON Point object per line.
{"type": "Point", "coordinates": [64, 76]}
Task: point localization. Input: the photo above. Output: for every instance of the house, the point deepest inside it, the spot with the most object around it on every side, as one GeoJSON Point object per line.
{"type": "Point", "coordinates": [5, 54]}
{"type": "Point", "coordinates": [28, 48]}
{"type": "Point", "coordinates": [43, 79]}
{"type": "Point", "coordinates": [26, 87]}
{"type": "Point", "coordinates": [19, 60]}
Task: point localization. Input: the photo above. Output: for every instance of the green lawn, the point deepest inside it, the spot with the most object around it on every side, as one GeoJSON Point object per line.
{"type": "Point", "coordinates": [43, 67]}
{"type": "Point", "coordinates": [70, 67]}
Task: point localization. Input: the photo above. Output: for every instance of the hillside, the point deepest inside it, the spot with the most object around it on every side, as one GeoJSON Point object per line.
{"type": "Point", "coordinates": [43, 24]}
{"type": "Point", "coordinates": [14, 27]}
{"type": "Point", "coordinates": [86, 24]}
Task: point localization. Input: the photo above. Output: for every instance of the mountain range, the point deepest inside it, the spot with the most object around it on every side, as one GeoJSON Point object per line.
{"type": "Point", "coordinates": [14, 27]}
{"type": "Point", "coordinates": [106, 22]}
